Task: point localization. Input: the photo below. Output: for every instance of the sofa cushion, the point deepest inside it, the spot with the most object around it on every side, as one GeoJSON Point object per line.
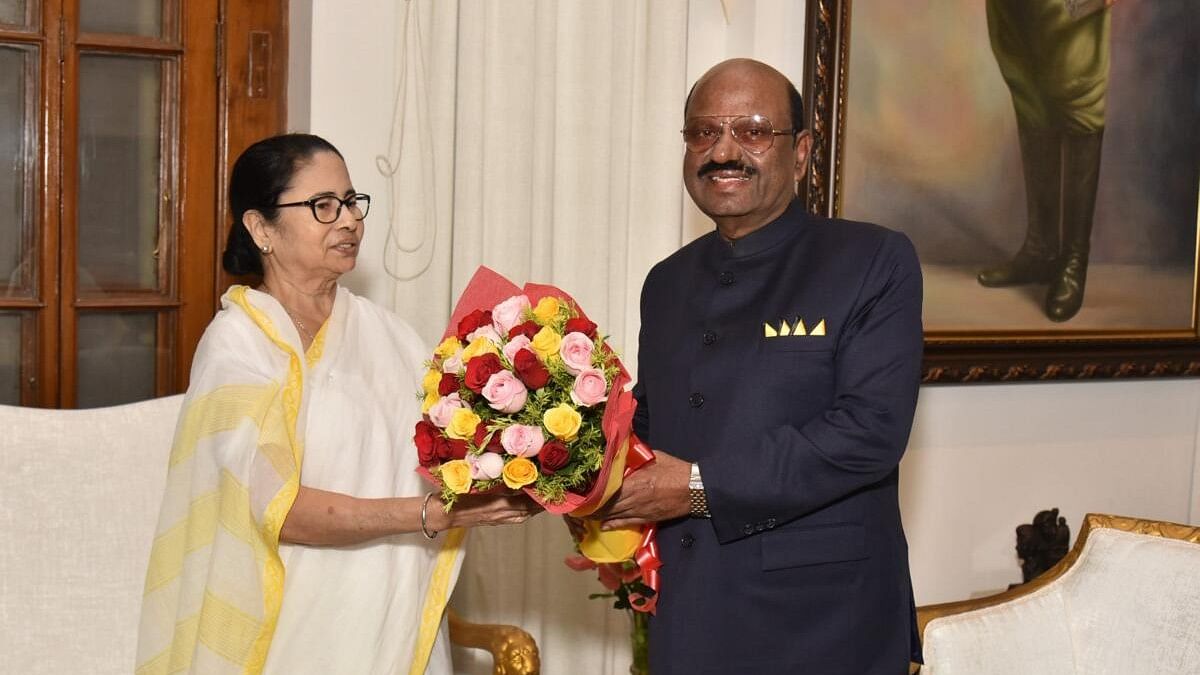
{"type": "Point", "coordinates": [1129, 604]}
{"type": "Point", "coordinates": [79, 496]}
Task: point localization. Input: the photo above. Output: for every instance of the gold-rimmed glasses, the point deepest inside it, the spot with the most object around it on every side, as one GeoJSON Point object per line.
{"type": "Point", "coordinates": [753, 132]}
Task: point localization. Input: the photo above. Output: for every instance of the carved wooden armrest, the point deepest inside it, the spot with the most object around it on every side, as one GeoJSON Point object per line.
{"type": "Point", "coordinates": [513, 650]}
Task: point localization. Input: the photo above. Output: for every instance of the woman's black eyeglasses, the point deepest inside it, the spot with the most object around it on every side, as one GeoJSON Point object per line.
{"type": "Point", "coordinates": [328, 209]}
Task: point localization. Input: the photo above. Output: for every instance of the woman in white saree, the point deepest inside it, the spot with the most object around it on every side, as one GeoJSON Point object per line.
{"type": "Point", "coordinates": [295, 535]}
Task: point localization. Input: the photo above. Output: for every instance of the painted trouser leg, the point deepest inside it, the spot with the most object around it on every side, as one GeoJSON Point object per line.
{"type": "Point", "coordinates": [1056, 69]}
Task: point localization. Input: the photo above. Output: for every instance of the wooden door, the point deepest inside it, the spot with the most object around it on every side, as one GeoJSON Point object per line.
{"type": "Point", "coordinates": [121, 118]}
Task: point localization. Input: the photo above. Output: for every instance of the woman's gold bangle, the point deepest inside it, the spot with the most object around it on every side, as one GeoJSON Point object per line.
{"type": "Point", "coordinates": [424, 512]}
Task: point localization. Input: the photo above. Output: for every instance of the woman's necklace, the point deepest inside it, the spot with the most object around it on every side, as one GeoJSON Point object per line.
{"type": "Point", "coordinates": [304, 331]}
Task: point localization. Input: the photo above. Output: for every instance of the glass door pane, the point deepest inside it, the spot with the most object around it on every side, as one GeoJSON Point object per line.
{"type": "Point", "coordinates": [18, 140]}
{"type": "Point", "coordinates": [128, 17]}
{"type": "Point", "coordinates": [10, 358]}
{"type": "Point", "coordinates": [13, 12]}
{"type": "Point", "coordinates": [119, 159]}
{"type": "Point", "coordinates": [116, 357]}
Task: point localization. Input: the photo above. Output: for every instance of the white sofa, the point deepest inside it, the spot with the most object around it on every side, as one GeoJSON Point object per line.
{"type": "Point", "coordinates": [1125, 601]}
{"type": "Point", "coordinates": [79, 498]}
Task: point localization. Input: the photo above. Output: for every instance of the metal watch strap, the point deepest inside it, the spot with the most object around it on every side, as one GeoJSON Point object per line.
{"type": "Point", "coordinates": [697, 499]}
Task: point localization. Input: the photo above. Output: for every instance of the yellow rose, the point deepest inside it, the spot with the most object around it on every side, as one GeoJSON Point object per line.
{"type": "Point", "coordinates": [430, 384]}
{"type": "Point", "coordinates": [456, 474]}
{"type": "Point", "coordinates": [546, 343]}
{"type": "Point", "coordinates": [519, 472]}
{"type": "Point", "coordinates": [546, 310]}
{"type": "Point", "coordinates": [462, 424]}
{"type": "Point", "coordinates": [431, 397]}
{"type": "Point", "coordinates": [563, 421]}
{"type": "Point", "coordinates": [479, 346]}
{"type": "Point", "coordinates": [449, 347]}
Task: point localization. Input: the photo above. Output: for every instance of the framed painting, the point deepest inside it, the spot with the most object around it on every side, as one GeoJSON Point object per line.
{"type": "Point", "coordinates": [1044, 158]}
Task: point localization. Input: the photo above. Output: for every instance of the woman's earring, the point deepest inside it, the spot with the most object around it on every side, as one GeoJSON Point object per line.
{"type": "Point", "coordinates": [266, 249]}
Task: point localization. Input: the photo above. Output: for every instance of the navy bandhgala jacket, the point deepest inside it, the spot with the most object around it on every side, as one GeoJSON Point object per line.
{"type": "Point", "coordinates": [787, 365]}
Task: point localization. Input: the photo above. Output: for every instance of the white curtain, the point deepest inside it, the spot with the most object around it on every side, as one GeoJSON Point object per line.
{"type": "Point", "coordinates": [540, 138]}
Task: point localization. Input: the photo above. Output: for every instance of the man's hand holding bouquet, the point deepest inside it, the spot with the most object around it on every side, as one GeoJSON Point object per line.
{"type": "Point", "coordinates": [523, 393]}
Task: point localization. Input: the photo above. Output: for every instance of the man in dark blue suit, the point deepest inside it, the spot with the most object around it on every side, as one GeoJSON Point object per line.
{"type": "Point", "coordinates": [778, 368]}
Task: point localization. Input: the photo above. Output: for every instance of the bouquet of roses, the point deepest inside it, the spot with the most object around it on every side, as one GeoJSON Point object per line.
{"type": "Point", "coordinates": [524, 393]}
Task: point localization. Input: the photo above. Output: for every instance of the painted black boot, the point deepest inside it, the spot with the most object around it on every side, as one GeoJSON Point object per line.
{"type": "Point", "coordinates": [1081, 175]}
{"type": "Point", "coordinates": [1035, 262]}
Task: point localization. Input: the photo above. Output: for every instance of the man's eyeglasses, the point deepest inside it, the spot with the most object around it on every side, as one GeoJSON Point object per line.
{"type": "Point", "coordinates": [753, 132]}
{"type": "Point", "coordinates": [328, 209]}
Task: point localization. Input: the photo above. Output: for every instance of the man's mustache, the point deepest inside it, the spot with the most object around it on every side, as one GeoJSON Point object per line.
{"type": "Point", "coordinates": [710, 167]}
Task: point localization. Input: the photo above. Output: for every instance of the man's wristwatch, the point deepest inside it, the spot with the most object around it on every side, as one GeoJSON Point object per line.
{"type": "Point", "coordinates": [696, 496]}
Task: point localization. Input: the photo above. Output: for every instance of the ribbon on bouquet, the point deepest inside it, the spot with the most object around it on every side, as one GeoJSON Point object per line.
{"type": "Point", "coordinates": [627, 543]}
{"type": "Point", "coordinates": [646, 556]}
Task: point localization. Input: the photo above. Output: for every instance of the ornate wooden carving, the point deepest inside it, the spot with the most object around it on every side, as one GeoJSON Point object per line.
{"type": "Point", "coordinates": [514, 651]}
{"type": "Point", "coordinates": [1042, 544]}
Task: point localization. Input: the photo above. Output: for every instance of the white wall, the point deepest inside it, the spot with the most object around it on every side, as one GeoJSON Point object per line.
{"type": "Point", "coordinates": [983, 458]}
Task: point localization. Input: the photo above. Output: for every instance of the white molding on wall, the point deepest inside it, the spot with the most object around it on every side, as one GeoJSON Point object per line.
{"type": "Point", "coordinates": [299, 55]}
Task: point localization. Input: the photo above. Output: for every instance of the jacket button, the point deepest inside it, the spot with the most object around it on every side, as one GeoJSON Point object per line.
{"type": "Point", "coordinates": [747, 529]}
{"type": "Point", "coordinates": [770, 523]}
{"type": "Point", "coordinates": [726, 278]}
{"type": "Point", "coordinates": [709, 337]}
{"type": "Point", "coordinates": [686, 541]}
{"type": "Point", "coordinates": [696, 400]}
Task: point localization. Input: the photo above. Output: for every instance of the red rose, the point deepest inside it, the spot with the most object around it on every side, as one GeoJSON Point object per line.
{"type": "Point", "coordinates": [441, 446]}
{"type": "Point", "coordinates": [426, 436]}
{"type": "Point", "coordinates": [553, 456]}
{"type": "Point", "coordinates": [471, 322]}
{"type": "Point", "coordinates": [528, 329]}
{"type": "Point", "coordinates": [493, 445]}
{"type": "Point", "coordinates": [448, 385]}
{"type": "Point", "coordinates": [530, 370]}
{"type": "Point", "coordinates": [479, 369]}
{"type": "Point", "coordinates": [457, 448]}
{"type": "Point", "coordinates": [581, 325]}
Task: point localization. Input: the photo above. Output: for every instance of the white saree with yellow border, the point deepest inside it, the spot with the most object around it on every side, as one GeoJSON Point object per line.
{"type": "Point", "coordinates": [260, 418]}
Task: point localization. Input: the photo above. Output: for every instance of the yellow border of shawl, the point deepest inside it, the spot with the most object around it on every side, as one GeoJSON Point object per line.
{"type": "Point", "coordinates": [281, 503]}
{"type": "Point", "coordinates": [436, 598]}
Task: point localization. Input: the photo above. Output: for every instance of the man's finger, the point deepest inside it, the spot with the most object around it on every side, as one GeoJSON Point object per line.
{"type": "Point", "coordinates": [618, 523]}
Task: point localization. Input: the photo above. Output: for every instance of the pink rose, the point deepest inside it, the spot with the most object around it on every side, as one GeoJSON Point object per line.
{"type": "Point", "coordinates": [590, 387]}
{"type": "Point", "coordinates": [522, 440]}
{"type": "Point", "coordinates": [508, 313]}
{"type": "Point", "coordinates": [576, 352]}
{"type": "Point", "coordinates": [441, 411]}
{"type": "Point", "coordinates": [504, 392]}
{"type": "Point", "coordinates": [486, 466]}
{"type": "Point", "coordinates": [453, 364]}
{"type": "Point", "coordinates": [485, 332]}
{"type": "Point", "coordinates": [515, 345]}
